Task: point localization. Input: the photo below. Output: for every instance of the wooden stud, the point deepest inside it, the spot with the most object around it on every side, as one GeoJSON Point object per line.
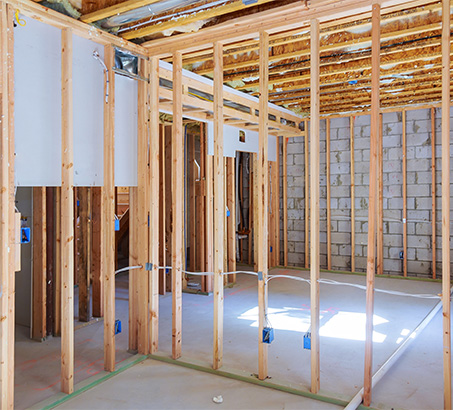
{"type": "Point", "coordinates": [39, 264]}
{"type": "Point", "coordinates": [446, 306]}
{"type": "Point", "coordinates": [307, 198]}
{"type": "Point", "coordinates": [17, 256]}
{"type": "Point", "coordinates": [380, 205]}
{"type": "Point", "coordinates": [57, 279]}
{"type": "Point", "coordinates": [371, 248]}
{"type": "Point", "coordinates": [255, 202]}
{"type": "Point", "coordinates": [351, 147]}
{"type": "Point", "coordinates": [134, 281]}
{"type": "Point", "coordinates": [433, 190]}
{"type": "Point", "coordinates": [50, 257]}
{"type": "Point", "coordinates": [231, 204]}
{"type": "Point", "coordinates": [328, 210]}
{"type": "Point", "coordinates": [168, 129]}
{"type": "Point", "coordinates": [314, 204]}
{"type": "Point", "coordinates": [108, 239]}
{"type": "Point", "coordinates": [252, 211]}
{"type": "Point", "coordinates": [11, 287]}
{"type": "Point", "coordinates": [162, 213]}
{"type": "Point", "coordinates": [271, 216]}
{"type": "Point", "coordinates": [219, 205]}
{"type": "Point", "coordinates": [67, 216]}
{"type": "Point", "coordinates": [209, 216]}
{"type": "Point", "coordinates": [285, 201]}
{"type": "Point", "coordinates": [404, 171]}
{"type": "Point", "coordinates": [191, 176]}
{"type": "Point", "coordinates": [96, 252]}
{"type": "Point", "coordinates": [177, 176]}
{"type": "Point", "coordinates": [143, 206]}
{"type": "Point", "coordinates": [84, 252]}
{"type": "Point", "coordinates": [154, 161]}
{"type": "Point", "coordinates": [276, 206]}
{"type": "Point", "coordinates": [261, 220]}
{"type": "Point", "coordinates": [201, 206]}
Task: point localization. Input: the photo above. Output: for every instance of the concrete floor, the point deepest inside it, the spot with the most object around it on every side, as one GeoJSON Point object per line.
{"type": "Point", "coordinates": [414, 383]}
{"type": "Point", "coordinates": [156, 385]}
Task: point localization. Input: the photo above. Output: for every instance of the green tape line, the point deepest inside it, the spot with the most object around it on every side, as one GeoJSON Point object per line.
{"type": "Point", "coordinates": [94, 383]}
{"type": "Point", "coordinates": [255, 381]}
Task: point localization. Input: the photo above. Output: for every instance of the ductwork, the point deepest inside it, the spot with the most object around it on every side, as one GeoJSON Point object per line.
{"type": "Point", "coordinates": [144, 12]}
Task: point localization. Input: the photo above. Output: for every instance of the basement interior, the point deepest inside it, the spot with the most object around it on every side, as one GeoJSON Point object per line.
{"type": "Point", "coordinates": [242, 203]}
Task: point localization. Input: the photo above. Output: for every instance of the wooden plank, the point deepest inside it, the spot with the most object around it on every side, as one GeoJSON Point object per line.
{"type": "Point", "coordinates": [277, 205]}
{"type": "Point", "coordinates": [433, 191]}
{"type": "Point", "coordinates": [380, 205]}
{"type": "Point", "coordinates": [351, 136]}
{"type": "Point", "coordinates": [209, 217]}
{"type": "Point", "coordinates": [219, 206]}
{"type": "Point", "coordinates": [285, 201]}
{"type": "Point", "coordinates": [271, 217]}
{"type": "Point", "coordinates": [143, 206]}
{"type": "Point", "coordinates": [67, 216]}
{"type": "Point", "coordinates": [182, 19]}
{"type": "Point", "coordinates": [39, 264]}
{"type": "Point", "coordinates": [17, 256]}
{"type": "Point", "coordinates": [328, 210]}
{"type": "Point", "coordinates": [134, 282]}
{"type": "Point", "coordinates": [96, 252]}
{"type": "Point", "coordinates": [5, 400]}
{"type": "Point", "coordinates": [154, 161]}
{"type": "Point", "coordinates": [446, 306]}
{"type": "Point", "coordinates": [57, 271]}
{"type": "Point", "coordinates": [108, 222]}
{"type": "Point", "coordinates": [191, 176]}
{"type": "Point", "coordinates": [261, 220]}
{"type": "Point", "coordinates": [50, 256]}
{"type": "Point", "coordinates": [307, 198]}
{"type": "Point", "coordinates": [11, 288]}
{"type": "Point", "coordinates": [404, 187]}
{"type": "Point", "coordinates": [162, 213]}
{"type": "Point", "coordinates": [371, 247]}
{"type": "Point", "coordinates": [83, 252]}
{"type": "Point", "coordinates": [115, 10]}
{"type": "Point", "coordinates": [201, 206]}
{"type": "Point", "coordinates": [286, 17]}
{"type": "Point", "coordinates": [231, 204]}
{"type": "Point", "coordinates": [168, 199]}
{"type": "Point", "coordinates": [314, 204]}
{"type": "Point", "coordinates": [177, 147]}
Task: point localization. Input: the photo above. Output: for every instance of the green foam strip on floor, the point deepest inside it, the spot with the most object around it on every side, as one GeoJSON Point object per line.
{"type": "Point", "coordinates": [253, 380]}
{"type": "Point", "coordinates": [94, 383]}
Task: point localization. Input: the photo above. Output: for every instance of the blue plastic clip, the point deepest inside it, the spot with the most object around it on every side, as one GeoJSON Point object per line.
{"type": "Point", "coordinates": [117, 224]}
{"type": "Point", "coordinates": [268, 335]}
{"type": "Point", "coordinates": [353, 82]}
{"type": "Point", "coordinates": [117, 326]}
{"type": "Point", "coordinates": [25, 235]}
{"type": "Point", "coordinates": [307, 341]}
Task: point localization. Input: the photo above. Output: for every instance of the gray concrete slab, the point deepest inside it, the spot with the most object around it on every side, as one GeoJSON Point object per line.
{"type": "Point", "coordinates": [156, 385]}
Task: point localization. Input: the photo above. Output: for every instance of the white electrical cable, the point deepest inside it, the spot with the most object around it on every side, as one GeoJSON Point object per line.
{"type": "Point", "coordinates": [128, 268]}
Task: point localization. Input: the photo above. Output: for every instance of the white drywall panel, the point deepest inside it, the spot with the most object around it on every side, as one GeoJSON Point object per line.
{"type": "Point", "coordinates": [37, 114]}
{"type": "Point", "coordinates": [125, 131]}
{"type": "Point", "coordinates": [232, 143]}
{"type": "Point", "coordinates": [88, 91]}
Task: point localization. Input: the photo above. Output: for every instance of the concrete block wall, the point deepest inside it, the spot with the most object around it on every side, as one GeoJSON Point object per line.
{"type": "Point", "coordinates": [419, 252]}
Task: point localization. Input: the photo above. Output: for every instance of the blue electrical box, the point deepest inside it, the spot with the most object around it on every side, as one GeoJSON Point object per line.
{"type": "Point", "coordinates": [117, 326]}
{"type": "Point", "coordinates": [25, 235]}
{"type": "Point", "coordinates": [117, 224]}
{"type": "Point", "coordinates": [268, 335]}
{"type": "Point", "coordinates": [307, 341]}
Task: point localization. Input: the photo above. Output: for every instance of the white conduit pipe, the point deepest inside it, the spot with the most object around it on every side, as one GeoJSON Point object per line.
{"type": "Point", "coordinates": [128, 268]}
{"type": "Point", "coordinates": [357, 399]}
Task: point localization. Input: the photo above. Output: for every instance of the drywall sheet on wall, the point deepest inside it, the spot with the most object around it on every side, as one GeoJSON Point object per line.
{"type": "Point", "coordinates": [37, 66]}
{"type": "Point", "coordinates": [37, 113]}
{"type": "Point", "coordinates": [126, 118]}
{"type": "Point", "coordinates": [88, 92]}
{"type": "Point", "coordinates": [235, 139]}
